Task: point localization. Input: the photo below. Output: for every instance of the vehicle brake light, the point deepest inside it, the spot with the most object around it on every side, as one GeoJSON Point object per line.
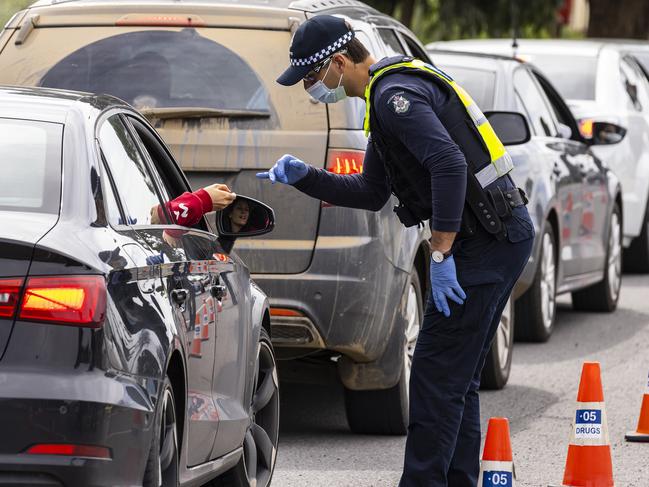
{"type": "Point", "coordinates": [68, 300]}
{"type": "Point", "coordinates": [87, 451]}
{"type": "Point", "coordinates": [586, 128]}
{"type": "Point", "coordinates": [285, 312]}
{"type": "Point", "coordinates": [161, 21]}
{"type": "Point", "coordinates": [9, 295]}
{"type": "Point", "coordinates": [345, 161]}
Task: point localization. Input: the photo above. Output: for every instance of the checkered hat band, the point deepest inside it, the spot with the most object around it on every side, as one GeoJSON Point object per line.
{"type": "Point", "coordinates": [323, 53]}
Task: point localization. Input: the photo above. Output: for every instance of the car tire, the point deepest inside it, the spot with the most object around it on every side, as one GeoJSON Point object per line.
{"type": "Point", "coordinates": [257, 464]}
{"type": "Point", "coordinates": [385, 411]}
{"type": "Point", "coordinates": [495, 373]}
{"type": "Point", "coordinates": [636, 256]}
{"type": "Point", "coordinates": [162, 465]}
{"type": "Point", "coordinates": [536, 308]}
{"type": "Point", "coordinates": [604, 295]}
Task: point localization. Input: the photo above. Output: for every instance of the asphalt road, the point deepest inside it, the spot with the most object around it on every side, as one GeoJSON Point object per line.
{"type": "Point", "coordinates": [317, 449]}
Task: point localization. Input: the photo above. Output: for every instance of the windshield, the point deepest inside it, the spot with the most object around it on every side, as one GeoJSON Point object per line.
{"type": "Point", "coordinates": [162, 69]}
{"type": "Point", "coordinates": [30, 161]}
{"type": "Point", "coordinates": [479, 83]}
{"type": "Point", "coordinates": [573, 76]}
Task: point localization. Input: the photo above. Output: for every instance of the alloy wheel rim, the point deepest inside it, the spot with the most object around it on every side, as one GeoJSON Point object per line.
{"type": "Point", "coordinates": [260, 442]}
{"type": "Point", "coordinates": [412, 329]}
{"type": "Point", "coordinates": [615, 257]}
{"type": "Point", "coordinates": [548, 282]}
{"type": "Point", "coordinates": [168, 458]}
{"type": "Point", "coordinates": [503, 335]}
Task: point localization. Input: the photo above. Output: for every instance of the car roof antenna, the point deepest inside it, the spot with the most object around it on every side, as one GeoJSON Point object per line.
{"type": "Point", "coordinates": [515, 32]}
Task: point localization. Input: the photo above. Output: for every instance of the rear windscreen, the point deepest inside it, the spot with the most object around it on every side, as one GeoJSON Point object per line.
{"type": "Point", "coordinates": [573, 76]}
{"type": "Point", "coordinates": [479, 83]}
{"type": "Point", "coordinates": [161, 69]}
{"type": "Point", "coordinates": [30, 164]}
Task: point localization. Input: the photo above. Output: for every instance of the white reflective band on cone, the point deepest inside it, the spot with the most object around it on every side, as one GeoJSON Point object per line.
{"type": "Point", "coordinates": [490, 466]}
{"type": "Point", "coordinates": [585, 434]}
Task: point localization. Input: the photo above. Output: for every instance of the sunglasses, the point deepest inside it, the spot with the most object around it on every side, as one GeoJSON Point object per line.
{"type": "Point", "coordinates": [310, 76]}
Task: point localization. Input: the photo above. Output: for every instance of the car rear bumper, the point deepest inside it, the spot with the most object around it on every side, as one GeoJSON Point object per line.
{"type": "Point", "coordinates": [34, 410]}
{"type": "Point", "coordinates": [348, 300]}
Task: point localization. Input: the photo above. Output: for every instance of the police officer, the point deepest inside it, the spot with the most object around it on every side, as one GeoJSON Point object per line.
{"type": "Point", "coordinates": [432, 147]}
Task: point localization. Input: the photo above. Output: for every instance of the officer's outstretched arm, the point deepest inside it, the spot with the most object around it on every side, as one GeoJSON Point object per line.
{"type": "Point", "coordinates": [368, 190]}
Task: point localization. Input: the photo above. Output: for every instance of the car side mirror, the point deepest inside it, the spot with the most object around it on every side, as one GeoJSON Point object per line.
{"type": "Point", "coordinates": [245, 217]}
{"type": "Point", "coordinates": [563, 131]}
{"type": "Point", "coordinates": [607, 133]}
{"type": "Point", "coordinates": [510, 127]}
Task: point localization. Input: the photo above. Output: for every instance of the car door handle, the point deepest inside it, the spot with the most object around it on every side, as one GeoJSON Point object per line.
{"type": "Point", "coordinates": [218, 291]}
{"type": "Point", "coordinates": [179, 296]}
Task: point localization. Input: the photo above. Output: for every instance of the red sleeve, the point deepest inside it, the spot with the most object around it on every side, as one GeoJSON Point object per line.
{"type": "Point", "coordinates": [188, 208]}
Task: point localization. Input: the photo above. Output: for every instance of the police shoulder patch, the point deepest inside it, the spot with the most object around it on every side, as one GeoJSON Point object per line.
{"type": "Point", "coordinates": [399, 103]}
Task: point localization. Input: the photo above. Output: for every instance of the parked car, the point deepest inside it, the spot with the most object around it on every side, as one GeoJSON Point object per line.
{"type": "Point", "coordinates": [131, 353]}
{"type": "Point", "coordinates": [575, 200]}
{"type": "Point", "coordinates": [346, 286]}
{"type": "Point", "coordinates": [608, 93]}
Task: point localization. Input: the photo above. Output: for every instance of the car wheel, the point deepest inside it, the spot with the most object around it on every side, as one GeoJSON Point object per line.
{"type": "Point", "coordinates": [495, 373]}
{"type": "Point", "coordinates": [257, 464]}
{"type": "Point", "coordinates": [162, 464]}
{"type": "Point", "coordinates": [604, 295]}
{"type": "Point", "coordinates": [537, 308]}
{"type": "Point", "coordinates": [385, 411]}
{"type": "Point", "coordinates": [636, 256]}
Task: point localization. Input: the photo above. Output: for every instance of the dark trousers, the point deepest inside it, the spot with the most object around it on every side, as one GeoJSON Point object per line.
{"type": "Point", "coordinates": [443, 444]}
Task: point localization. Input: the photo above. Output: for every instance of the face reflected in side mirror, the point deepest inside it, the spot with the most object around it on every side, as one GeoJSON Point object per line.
{"type": "Point", "coordinates": [245, 217]}
{"type": "Point", "coordinates": [510, 127]}
{"type": "Point", "coordinates": [606, 133]}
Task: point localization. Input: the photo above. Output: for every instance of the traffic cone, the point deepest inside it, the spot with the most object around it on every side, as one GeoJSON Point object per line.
{"type": "Point", "coordinates": [641, 434]}
{"type": "Point", "coordinates": [589, 453]}
{"type": "Point", "coordinates": [497, 466]}
{"type": "Point", "coordinates": [195, 350]}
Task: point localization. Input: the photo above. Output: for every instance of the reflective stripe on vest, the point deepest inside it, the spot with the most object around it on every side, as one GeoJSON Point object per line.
{"type": "Point", "coordinates": [501, 161]}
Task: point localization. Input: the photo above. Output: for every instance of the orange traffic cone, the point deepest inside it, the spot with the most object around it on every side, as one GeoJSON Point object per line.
{"type": "Point", "coordinates": [497, 466]}
{"type": "Point", "coordinates": [195, 350]}
{"type": "Point", "coordinates": [641, 434]}
{"type": "Point", "coordinates": [589, 453]}
{"type": "Point", "coordinates": [205, 322]}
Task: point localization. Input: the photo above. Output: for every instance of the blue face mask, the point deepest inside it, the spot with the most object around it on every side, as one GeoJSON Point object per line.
{"type": "Point", "coordinates": [323, 94]}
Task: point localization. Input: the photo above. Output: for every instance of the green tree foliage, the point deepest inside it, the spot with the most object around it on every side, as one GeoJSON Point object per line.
{"type": "Point", "coordinates": [10, 7]}
{"type": "Point", "coordinates": [453, 19]}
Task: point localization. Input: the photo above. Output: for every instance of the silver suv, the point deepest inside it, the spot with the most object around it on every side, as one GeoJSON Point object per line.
{"type": "Point", "coordinates": [346, 286]}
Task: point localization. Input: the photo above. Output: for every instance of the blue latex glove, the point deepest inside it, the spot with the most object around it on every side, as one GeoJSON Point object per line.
{"type": "Point", "coordinates": [288, 170]}
{"type": "Point", "coordinates": [443, 284]}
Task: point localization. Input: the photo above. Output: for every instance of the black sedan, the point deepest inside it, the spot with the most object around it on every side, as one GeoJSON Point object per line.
{"type": "Point", "coordinates": [131, 353]}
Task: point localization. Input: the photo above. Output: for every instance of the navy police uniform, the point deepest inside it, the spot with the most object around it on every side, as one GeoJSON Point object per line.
{"type": "Point", "coordinates": [421, 151]}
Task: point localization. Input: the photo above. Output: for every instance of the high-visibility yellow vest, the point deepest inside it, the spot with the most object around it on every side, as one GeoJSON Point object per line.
{"type": "Point", "coordinates": [501, 162]}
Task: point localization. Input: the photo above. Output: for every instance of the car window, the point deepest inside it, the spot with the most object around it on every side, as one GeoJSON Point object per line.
{"type": "Point", "coordinates": [414, 49]}
{"type": "Point", "coordinates": [574, 76]}
{"type": "Point", "coordinates": [30, 161]}
{"type": "Point", "coordinates": [536, 106]}
{"type": "Point", "coordinates": [558, 105]}
{"type": "Point", "coordinates": [130, 175]}
{"type": "Point", "coordinates": [392, 43]}
{"type": "Point", "coordinates": [632, 80]}
{"type": "Point", "coordinates": [479, 83]}
{"type": "Point", "coordinates": [162, 69]}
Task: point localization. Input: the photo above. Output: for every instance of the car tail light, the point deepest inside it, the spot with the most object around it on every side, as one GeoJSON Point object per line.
{"type": "Point", "coordinates": [87, 451]}
{"type": "Point", "coordinates": [586, 128]}
{"type": "Point", "coordinates": [9, 295]}
{"type": "Point", "coordinates": [68, 300]}
{"type": "Point", "coordinates": [345, 161]}
{"type": "Point", "coordinates": [161, 21]}
{"type": "Point", "coordinates": [285, 312]}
